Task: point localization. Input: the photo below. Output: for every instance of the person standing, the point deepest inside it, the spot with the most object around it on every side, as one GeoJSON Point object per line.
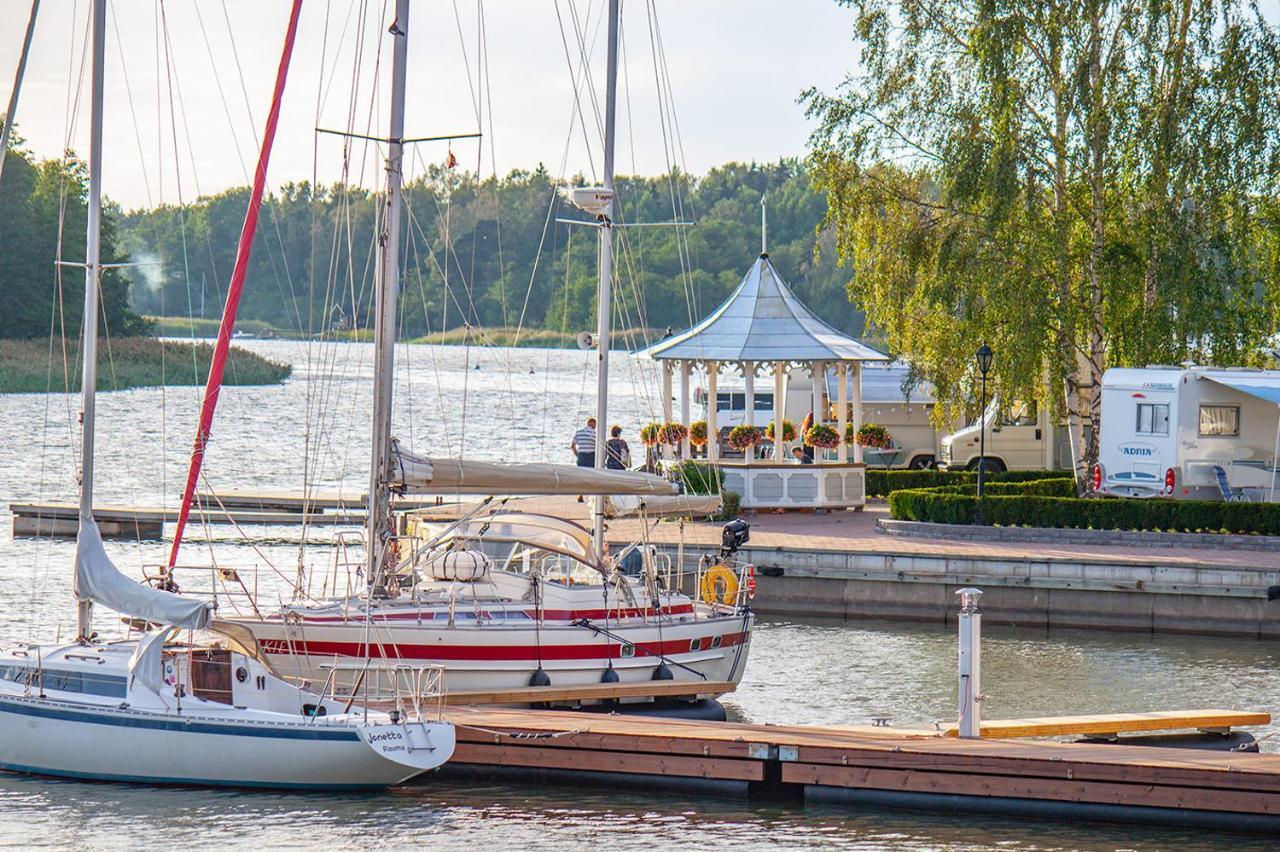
{"type": "Point", "coordinates": [617, 452]}
{"type": "Point", "coordinates": [584, 446]}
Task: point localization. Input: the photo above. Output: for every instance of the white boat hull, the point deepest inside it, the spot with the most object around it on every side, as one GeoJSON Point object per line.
{"type": "Point", "coordinates": [84, 741]}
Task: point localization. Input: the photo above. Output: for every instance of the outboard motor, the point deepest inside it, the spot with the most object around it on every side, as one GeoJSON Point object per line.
{"type": "Point", "coordinates": [734, 534]}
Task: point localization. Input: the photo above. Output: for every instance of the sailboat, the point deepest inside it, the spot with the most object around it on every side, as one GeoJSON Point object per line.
{"type": "Point", "coordinates": [166, 708]}
{"type": "Point", "coordinates": [507, 600]}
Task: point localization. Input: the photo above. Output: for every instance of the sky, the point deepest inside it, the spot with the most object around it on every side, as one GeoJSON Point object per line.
{"type": "Point", "coordinates": [189, 85]}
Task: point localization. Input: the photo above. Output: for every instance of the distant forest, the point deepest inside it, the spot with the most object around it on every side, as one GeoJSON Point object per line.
{"type": "Point", "coordinates": [509, 263]}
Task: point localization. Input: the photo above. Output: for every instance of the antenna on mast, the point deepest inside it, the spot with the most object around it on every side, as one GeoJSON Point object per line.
{"type": "Point", "coordinates": [764, 225]}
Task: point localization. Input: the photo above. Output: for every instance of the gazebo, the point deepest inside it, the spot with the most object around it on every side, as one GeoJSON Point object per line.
{"type": "Point", "coordinates": [762, 327]}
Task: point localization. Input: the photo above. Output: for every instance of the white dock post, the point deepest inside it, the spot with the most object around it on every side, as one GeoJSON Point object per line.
{"type": "Point", "coordinates": [970, 724]}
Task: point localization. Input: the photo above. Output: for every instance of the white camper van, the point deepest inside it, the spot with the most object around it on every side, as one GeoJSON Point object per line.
{"type": "Point", "coordinates": [1193, 433]}
{"type": "Point", "coordinates": [1019, 437]}
{"type": "Point", "coordinates": [906, 417]}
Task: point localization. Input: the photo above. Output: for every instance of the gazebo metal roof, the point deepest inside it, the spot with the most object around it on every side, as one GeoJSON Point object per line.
{"type": "Point", "coordinates": [762, 320]}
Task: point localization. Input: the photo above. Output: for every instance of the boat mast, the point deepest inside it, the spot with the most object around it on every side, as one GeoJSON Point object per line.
{"type": "Point", "coordinates": [384, 335]}
{"type": "Point", "coordinates": [604, 294]}
{"type": "Point", "coordinates": [17, 84]}
{"type": "Point", "coordinates": [92, 278]}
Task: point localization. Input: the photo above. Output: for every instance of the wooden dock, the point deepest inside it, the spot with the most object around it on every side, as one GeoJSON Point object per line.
{"type": "Point", "coordinates": [881, 767]}
{"type": "Point", "coordinates": [240, 508]}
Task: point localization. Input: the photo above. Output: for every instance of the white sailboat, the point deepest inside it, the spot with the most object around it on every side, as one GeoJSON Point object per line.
{"type": "Point", "coordinates": [158, 709]}
{"type": "Point", "coordinates": [507, 600]}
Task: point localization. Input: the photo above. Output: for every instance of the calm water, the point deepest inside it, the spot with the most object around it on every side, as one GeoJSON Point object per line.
{"type": "Point", "coordinates": [525, 405]}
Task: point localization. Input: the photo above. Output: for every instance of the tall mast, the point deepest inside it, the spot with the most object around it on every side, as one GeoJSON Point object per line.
{"type": "Point", "coordinates": [604, 295]}
{"type": "Point", "coordinates": [12, 112]}
{"type": "Point", "coordinates": [384, 336]}
{"type": "Point", "coordinates": [92, 278]}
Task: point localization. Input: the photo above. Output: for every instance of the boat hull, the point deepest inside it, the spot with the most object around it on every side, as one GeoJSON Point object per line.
{"type": "Point", "coordinates": [496, 657]}
{"type": "Point", "coordinates": [83, 741]}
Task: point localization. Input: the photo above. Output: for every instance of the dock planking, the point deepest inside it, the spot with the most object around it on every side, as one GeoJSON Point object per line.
{"type": "Point", "coordinates": [1113, 724]}
{"type": "Point", "coordinates": [850, 764]}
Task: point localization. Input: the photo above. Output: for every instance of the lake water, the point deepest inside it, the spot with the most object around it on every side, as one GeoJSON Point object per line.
{"type": "Point", "coordinates": [524, 405]}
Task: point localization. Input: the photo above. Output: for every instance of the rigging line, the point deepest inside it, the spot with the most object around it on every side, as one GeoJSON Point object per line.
{"type": "Point", "coordinates": [580, 27]}
{"type": "Point", "coordinates": [577, 96]}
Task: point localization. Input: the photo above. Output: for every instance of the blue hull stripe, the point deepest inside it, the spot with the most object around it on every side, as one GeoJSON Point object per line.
{"type": "Point", "coordinates": [181, 782]}
{"type": "Point", "coordinates": [181, 726]}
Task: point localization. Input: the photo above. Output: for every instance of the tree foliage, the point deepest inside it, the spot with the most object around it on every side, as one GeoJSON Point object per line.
{"type": "Point", "coordinates": [42, 207]}
{"type": "Point", "coordinates": [488, 253]}
{"type": "Point", "coordinates": [1082, 184]}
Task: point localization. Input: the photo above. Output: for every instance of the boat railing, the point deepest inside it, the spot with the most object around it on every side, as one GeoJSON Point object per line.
{"type": "Point", "coordinates": [414, 691]}
{"type": "Point", "coordinates": [223, 585]}
{"type": "Point", "coordinates": [743, 588]}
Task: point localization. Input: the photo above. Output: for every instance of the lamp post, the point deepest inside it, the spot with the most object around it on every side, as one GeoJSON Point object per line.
{"type": "Point", "coordinates": [985, 357]}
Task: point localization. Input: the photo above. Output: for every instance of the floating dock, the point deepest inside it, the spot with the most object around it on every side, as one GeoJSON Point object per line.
{"type": "Point", "coordinates": [889, 767]}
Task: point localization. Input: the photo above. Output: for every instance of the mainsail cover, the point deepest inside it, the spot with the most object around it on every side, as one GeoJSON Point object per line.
{"type": "Point", "coordinates": [678, 505]}
{"type": "Point", "coordinates": [416, 474]}
{"type": "Point", "coordinates": [98, 580]}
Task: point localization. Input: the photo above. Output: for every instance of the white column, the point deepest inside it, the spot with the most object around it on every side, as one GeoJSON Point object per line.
{"type": "Point", "coordinates": [779, 406]}
{"type": "Point", "coordinates": [842, 408]}
{"type": "Point", "coordinates": [819, 371]}
{"type": "Point", "coordinates": [685, 415]}
{"type": "Point", "coordinates": [970, 680]}
{"type": "Point", "coordinates": [713, 427]}
{"type": "Point", "coordinates": [857, 407]}
{"type": "Point", "coordinates": [749, 416]}
{"type": "Point", "coordinates": [667, 405]}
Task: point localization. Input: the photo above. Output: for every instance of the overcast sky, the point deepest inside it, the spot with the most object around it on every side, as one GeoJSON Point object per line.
{"type": "Point", "coordinates": [735, 69]}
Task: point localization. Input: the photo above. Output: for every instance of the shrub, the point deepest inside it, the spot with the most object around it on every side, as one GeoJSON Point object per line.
{"type": "Point", "coordinates": [822, 436]}
{"type": "Point", "coordinates": [788, 430]}
{"type": "Point", "coordinates": [732, 507]}
{"type": "Point", "coordinates": [946, 506]}
{"type": "Point", "coordinates": [881, 483]}
{"type": "Point", "coordinates": [743, 436]}
{"type": "Point", "coordinates": [698, 433]}
{"type": "Point", "coordinates": [699, 478]}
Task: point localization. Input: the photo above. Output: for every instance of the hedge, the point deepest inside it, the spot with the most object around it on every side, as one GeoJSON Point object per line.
{"type": "Point", "coordinates": [946, 506]}
{"type": "Point", "coordinates": [881, 483]}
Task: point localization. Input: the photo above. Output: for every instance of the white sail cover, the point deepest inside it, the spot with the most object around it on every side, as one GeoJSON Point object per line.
{"type": "Point", "coordinates": [414, 474]}
{"type": "Point", "coordinates": [678, 505]}
{"type": "Point", "coordinates": [98, 580]}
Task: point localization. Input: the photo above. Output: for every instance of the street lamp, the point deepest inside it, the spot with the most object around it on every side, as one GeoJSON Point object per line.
{"type": "Point", "coordinates": [985, 357]}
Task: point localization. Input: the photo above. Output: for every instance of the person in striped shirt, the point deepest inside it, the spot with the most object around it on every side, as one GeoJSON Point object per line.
{"type": "Point", "coordinates": [584, 445]}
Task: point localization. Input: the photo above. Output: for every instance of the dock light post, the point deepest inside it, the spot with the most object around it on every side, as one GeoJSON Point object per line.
{"type": "Point", "coordinates": [985, 357]}
{"type": "Point", "coordinates": [970, 724]}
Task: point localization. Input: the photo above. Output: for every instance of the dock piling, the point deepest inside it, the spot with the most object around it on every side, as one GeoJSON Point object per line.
{"type": "Point", "coordinates": [970, 702]}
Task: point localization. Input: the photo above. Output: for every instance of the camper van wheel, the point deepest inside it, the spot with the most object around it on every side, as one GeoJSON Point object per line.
{"type": "Point", "coordinates": [991, 465]}
{"type": "Point", "coordinates": [921, 463]}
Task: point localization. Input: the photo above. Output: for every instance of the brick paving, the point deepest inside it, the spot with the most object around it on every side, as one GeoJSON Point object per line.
{"type": "Point", "coordinates": [855, 532]}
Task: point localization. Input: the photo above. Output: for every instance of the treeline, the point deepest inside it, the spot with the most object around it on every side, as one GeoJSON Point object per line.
{"type": "Point", "coordinates": [489, 253]}
{"type": "Point", "coordinates": [42, 206]}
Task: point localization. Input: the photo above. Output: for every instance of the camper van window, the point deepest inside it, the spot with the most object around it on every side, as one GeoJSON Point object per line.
{"type": "Point", "coordinates": [731, 402]}
{"type": "Point", "coordinates": [1219, 420]}
{"type": "Point", "coordinates": [1153, 418]}
{"type": "Point", "coordinates": [1020, 414]}
{"type": "Point", "coordinates": [764, 402]}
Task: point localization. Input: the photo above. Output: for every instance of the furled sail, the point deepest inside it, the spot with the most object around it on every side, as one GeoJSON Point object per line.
{"type": "Point", "coordinates": [416, 474]}
{"type": "Point", "coordinates": [658, 507]}
{"type": "Point", "coordinates": [98, 580]}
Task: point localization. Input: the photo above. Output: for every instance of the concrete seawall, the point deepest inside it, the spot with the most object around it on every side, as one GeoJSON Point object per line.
{"type": "Point", "coordinates": [1148, 596]}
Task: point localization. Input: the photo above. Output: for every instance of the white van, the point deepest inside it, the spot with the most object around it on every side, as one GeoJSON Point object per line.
{"type": "Point", "coordinates": [1018, 437]}
{"type": "Point", "coordinates": [1193, 433]}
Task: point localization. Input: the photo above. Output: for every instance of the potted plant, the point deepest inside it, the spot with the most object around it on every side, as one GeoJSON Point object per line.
{"type": "Point", "coordinates": [869, 435]}
{"type": "Point", "coordinates": [788, 431]}
{"type": "Point", "coordinates": [649, 434]}
{"type": "Point", "coordinates": [698, 433]}
{"type": "Point", "coordinates": [822, 436]}
{"type": "Point", "coordinates": [743, 436]}
{"type": "Point", "coordinates": [672, 433]}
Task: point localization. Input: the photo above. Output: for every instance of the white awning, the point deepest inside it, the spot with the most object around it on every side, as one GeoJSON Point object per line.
{"type": "Point", "coordinates": [98, 580]}
{"type": "Point", "coordinates": [415, 474]}
{"type": "Point", "coordinates": [1263, 384]}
